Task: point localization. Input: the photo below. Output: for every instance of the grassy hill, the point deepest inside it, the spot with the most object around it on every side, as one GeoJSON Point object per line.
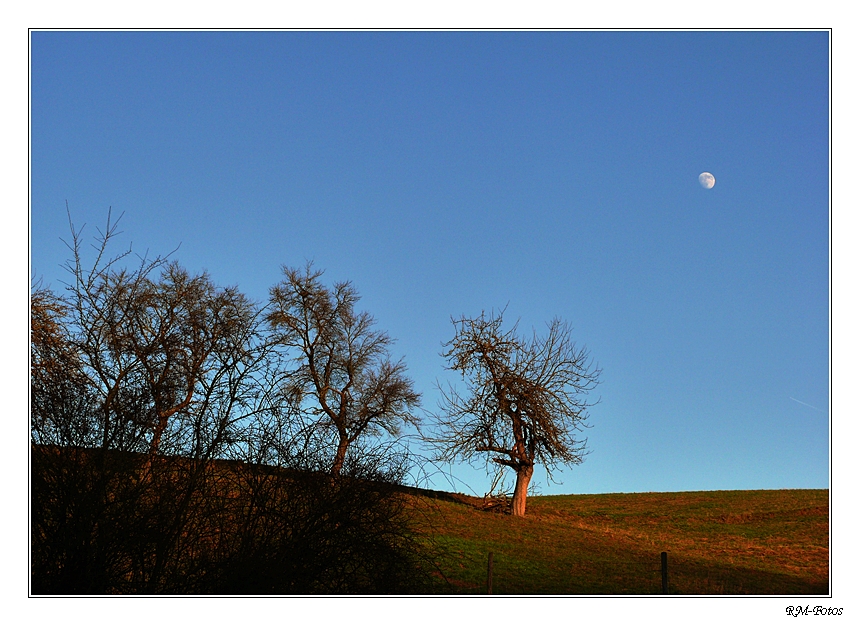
{"type": "Point", "coordinates": [718, 542]}
{"type": "Point", "coordinates": [117, 523]}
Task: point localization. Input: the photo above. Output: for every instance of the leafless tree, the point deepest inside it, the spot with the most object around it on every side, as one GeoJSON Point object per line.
{"type": "Point", "coordinates": [168, 451]}
{"type": "Point", "coordinates": [170, 358]}
{"type": "Point", "coordinates": [62, 406]}
{"type": "Point", "coordinates": [140, 376]}
{"type": "Point", "coordinates": [344, 366]}
{"type": "Point", "coordinates": [525, 401]}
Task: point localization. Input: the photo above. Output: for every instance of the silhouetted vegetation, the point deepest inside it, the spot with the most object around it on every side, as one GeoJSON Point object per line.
{"type": "Point", "coordinates": [107, 522]}
{"type": "Point", "coordinates": [169, 454]}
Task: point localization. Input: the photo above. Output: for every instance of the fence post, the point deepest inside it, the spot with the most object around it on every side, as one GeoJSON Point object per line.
{"type": "Point", "coordinates": [664, 570]}
{"type": "Point", "coordinates": [490, 574]}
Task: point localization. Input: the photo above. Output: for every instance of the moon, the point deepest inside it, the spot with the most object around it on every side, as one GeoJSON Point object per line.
{"type": "Point", "coordinates": [707, 180]}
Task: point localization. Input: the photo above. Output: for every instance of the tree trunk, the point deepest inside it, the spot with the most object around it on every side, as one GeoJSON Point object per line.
{"type": "Point", "coordinates": [340, 456]}
{"type": "Point", "coordinates": [524, 476]}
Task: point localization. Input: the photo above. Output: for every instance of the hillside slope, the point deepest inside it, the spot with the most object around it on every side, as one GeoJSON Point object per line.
{"type": "Point", "coordinates": [718, 542]}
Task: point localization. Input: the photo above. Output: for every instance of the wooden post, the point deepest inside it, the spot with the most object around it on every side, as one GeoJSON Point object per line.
{"type": "Point", "coordinates": [664, 568]}
{"type": "Point", "coordinates": [490, 574]}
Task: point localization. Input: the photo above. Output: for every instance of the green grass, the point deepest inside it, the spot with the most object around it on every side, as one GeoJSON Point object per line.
{"type": "Point", "coordinates": [718, 543]}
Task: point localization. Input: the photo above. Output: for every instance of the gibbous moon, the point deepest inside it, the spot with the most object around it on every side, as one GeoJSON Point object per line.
{"type": "Point", "coordinates": [707, 180]}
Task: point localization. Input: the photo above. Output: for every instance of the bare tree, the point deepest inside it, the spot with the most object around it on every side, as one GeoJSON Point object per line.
{"type": "Point", "coordinates": [166, 457]}
{"type": "Point", "coordinates": [344, 365]}
{"type": "Point", "coordinates": [62, 406]}
{"type": "Point", "coordinates": [170, 357]}
{"type": "Point", "coordinates": [525, 400]}
{"type": "Point", "coordinates": [140, 377]}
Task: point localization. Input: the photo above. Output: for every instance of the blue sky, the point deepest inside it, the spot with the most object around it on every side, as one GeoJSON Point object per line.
{"type": "Point", "coordinates": [554, 173]}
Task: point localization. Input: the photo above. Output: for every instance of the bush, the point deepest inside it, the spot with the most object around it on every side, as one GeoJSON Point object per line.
{"type": "Point", "coordinates": [106, 523]}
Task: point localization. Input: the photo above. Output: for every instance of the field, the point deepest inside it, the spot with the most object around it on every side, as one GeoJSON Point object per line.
{"type": "Point", "coordinates": [718, 543]}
